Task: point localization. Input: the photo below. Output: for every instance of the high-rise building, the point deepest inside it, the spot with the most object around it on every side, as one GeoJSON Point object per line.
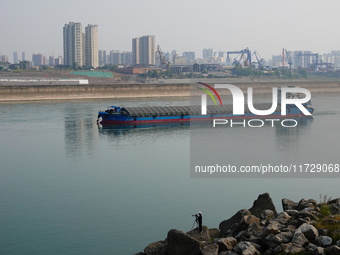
{"type": "Point", "coordinates": [91, 46]}
{"type": "Point", "coordinates": [23, 56]}
{"type": "Point", "coordinates": [105, 58]}
{"type": "Point", "coordinates": [143, 50]}
{"type": "Point", "coordinates": [207, 53]}
{"type": "Point", "coordinates": [189, 55]}
{"type": "Point", "coordinates": [38, 59]}
{"type": "Point", "coordinates": [100, 58]}
{"type": "Point", "coordinates": [73, 44]}
{"type": "Point", "coordinates": [135, 51]}
{"type": "Point", "coordinates": [15, 58]}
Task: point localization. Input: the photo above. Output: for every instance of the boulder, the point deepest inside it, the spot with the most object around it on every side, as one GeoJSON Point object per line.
{"type": "Point", "coordinates": [200, 236]}
{"type": "Point", "coordinates": [226, 225]}
{"type": "Point", "coordinates": [263, 202]}
{"type": "Point", "coordinates": [305, 214]}
{"type": "Point", "coordinates": [333, 250]}
{"type": "Point", "coordinates": [272, 240]}
{"type": "Point", "coordinates": [156, 248]}
{"type": "Point", "coordinates": [335, 201]}
{"type": "Point", "coordinates": [267, 215]}
{"type": "Point", "coordinates": [214, 233]}
{"type": "Point", "coordinates": [304, 203]}
{"type": "Point", "coordinates": [324, 241]}
{"type": "Point", "coordinates": [292, 248]}
{"type": "Point", "coordinates": [210, 249]}
{"type": "Point", "coordinates": [299, 238]}
{"type": "Point", "coordinates": [272, 228]}
{"type": "Point", "coordinates": [288, 204]}
{"type": "Point", "coordinates": [282, 218]}
{"type": "Point", "coordinates": [226, 244]}
{"type": "Point", "coordinates": [335, 210]}
{"type": "Point", "coordinates": [319, 251]}
{"type": "Point", "coordinates": [285, 237]}
{"type": "Point", "coordinates": [246, 248]}
{"type": "Point", "coordinates": [179, 243]}
{"type": "Point", "coordinates": [254, 229]}
{"type": "Point", "coordinates": [243, 224]}
{"type": "Point", "coordinates": [309, 231]}
{"type": "Point", "coordinates": [292, 212]}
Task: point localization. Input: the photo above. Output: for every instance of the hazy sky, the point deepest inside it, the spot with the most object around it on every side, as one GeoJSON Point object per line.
{"type": "Point", "coordinates": [36, 26]}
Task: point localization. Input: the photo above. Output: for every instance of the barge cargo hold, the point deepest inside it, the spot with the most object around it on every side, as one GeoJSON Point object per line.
{"type": "Point", "coordinates": [166, 114]}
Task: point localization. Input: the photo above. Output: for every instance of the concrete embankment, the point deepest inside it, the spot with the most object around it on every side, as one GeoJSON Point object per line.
{"type": "Point", "coordinates": [46, 92]}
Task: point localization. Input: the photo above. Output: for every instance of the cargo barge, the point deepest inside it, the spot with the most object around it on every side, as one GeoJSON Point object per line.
{"type": "Point", "coordinates": [167, 114]}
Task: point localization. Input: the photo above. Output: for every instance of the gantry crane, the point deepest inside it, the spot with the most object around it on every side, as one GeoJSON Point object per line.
{"type": "Point", "coordinates": [238, 60]}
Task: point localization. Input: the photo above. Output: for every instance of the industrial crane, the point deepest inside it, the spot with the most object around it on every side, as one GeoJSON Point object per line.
{"type": "Point", "coordinates": [289, 59]}
{"type": "Point", "coordinates": [238, 59]}
{"type": "Point", "coordinates": [163, 61]}
{"type": "Point", "coordinates": [258, 58]}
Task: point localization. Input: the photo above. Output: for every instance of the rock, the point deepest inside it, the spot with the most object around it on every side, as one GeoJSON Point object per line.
{"type": "Point", "coordinates": [310, 203]}
{"type": "Point", "coordinates": [289, 204]}
{"type": "Point", "coordinates": [226, 244]}
{"type": "Point", "coordinates": [282, 218]}
{"type": "Point", "coordinates": [200, 236]}
{"type": "Point", "coordinates": [267, 215]}
{"type": "Point", "coordinates": [309, 231]}
{"type": "Point", "coordinates": [254, 229]}
{"type": "Point", "coordinates": [335, 201]}
{"type": "Point", "coordinates": [319, 251]}
{"type": "Point", "coordinates": [291, 248]}
{"type": "Point", "coordinates": [210, 249]}
{"type": "Point", "coordinates": [156, 248]}
{"type": "Point", "coordinates": [292, 212]}
{"type": "Point", "coordinates": [306, 214]}
{"type": "Point", "coordinates": [333, 250]}
{"type": "Point", "coordinates": [335, 210]}
{"type": "Point", "coordinates": [272, 241]}
{"type": "Point", "coordinates": [324, 241]}
{"type": "Point", "coordinates": [226, 225]}
{"type": "Point", "coordinates": [263, 202]}
{"type": "Point", "coordinates": [246, 248]}
{"type": "Point", "coordinates": [285, 237]}
{"type": "Point", "coordinates": [310, 247]}
{"type": "Point", "coordinates": [299, 238]}
{"type": "Point", "coordinates": [214, 233]}
{"type": "Point", "coordinates": [271, 228]}
{"type": "Point", "coordinates": [179, 243]}
{"type": "Point", "coordinates": [256, 240]}
{"type": "Point", "coordinates": [243, 224]}
{"type": "Point", "coordinates": [277, 249]}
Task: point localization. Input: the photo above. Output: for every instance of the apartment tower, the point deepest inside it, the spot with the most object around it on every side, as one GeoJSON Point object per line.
{"type": "Point", "coordinates": [91, 46]}
{"type": "Point", "coordinates": [143, 50]}
{"type": "Point", "coordinates": [73, 44]}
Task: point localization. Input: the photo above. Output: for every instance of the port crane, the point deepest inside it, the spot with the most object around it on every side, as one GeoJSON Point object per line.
{"type": "Point", "coordinates": [163, 61]}
{"type": "Point", "coordinates": [238, 59]}
{"type": "Point", "coordinates": [314, 62]}
{"type": "Point", "coordinates": [258, 58]}
{"type": "Point", "coordinates": [289, 59]}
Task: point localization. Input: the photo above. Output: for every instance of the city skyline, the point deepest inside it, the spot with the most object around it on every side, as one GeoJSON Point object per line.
{"type": "Point", "coordinates": [189, 25]}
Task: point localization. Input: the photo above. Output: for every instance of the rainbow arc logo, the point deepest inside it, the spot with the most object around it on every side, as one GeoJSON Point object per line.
{"type": "Point", "coordinates": [209, 90]}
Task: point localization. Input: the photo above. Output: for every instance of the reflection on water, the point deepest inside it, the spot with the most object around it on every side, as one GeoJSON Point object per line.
{"type": "Point", "coordinates": [288, 138]}
{"type": "Point", "coordinates": [80, 131]}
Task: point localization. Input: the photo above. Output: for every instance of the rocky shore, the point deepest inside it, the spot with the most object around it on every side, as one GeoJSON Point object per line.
{"type": "Point", "coordinates": [304, 227]}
